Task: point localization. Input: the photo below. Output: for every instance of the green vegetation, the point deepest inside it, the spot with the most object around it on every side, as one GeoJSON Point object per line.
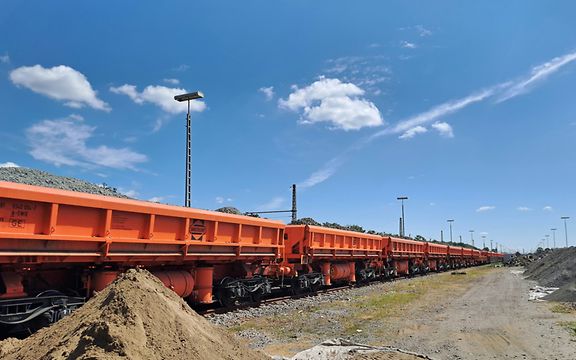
{"type": "Point", "coordinates": [563, 308]}
{"type": "Point", "coordinates": [570, 326]}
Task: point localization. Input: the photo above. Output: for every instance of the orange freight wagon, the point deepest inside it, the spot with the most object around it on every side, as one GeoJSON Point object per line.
{"type": "Point", "coordinates": [455, 256]}
{"type": "Point", "coordinates": [437, 256]}
{"type": "Point", "coordinates": [407, 256]}
{"type": "Point", "coordinates": [332, 254]}
{"type": "Point", "coordinates": [53, 240]}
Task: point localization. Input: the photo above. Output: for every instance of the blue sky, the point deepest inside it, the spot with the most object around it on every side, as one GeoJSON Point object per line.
{"type": "Point", "coordinates": [467, 109]}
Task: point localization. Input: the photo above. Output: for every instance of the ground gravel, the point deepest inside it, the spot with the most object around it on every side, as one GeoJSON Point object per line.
{"type": "Point", "coordinates": [41, 178]}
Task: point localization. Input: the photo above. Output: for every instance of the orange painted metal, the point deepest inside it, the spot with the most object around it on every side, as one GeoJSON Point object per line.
{"type": "Point", "coordinates": [434, 250]}
{"type": "Point", "coordinates": [307, 243]}
{"type": "Point", "coordinates": [100, 279]}
{"type": "Point", "coordinates": [13, 285]}
{"type": "Point", "coordinates": [41, 225]}
{"type": "Point", "coordinates": [455, 251]}
{"type": "Point", "coordinates": [405, 248]}
{"type": "Point", "coordinates": [180, 281]}
{"type": "Point", "coordinates": [340, 271]}
{"type": "Point", "coordinates": [402, 267]}
{"type": "Point", "coordinates": [326, 273]}
{"type": "Point", "coordinates": [203, 290]}
{"type": "Point", "coordinates": [352, 277]}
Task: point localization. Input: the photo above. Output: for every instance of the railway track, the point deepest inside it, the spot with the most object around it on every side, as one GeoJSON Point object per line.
{"type": "Point", "coordinates": [221, 310]}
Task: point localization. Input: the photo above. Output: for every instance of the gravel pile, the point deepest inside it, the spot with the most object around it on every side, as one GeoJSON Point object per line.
{"type": "Point", "coordinates": [556, 268]}
{"type": "Point", "coordinates": [41, 178]}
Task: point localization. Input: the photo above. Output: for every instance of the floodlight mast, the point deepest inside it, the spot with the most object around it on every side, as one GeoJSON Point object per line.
{"type": "Point", "coordinates": [188, 187]}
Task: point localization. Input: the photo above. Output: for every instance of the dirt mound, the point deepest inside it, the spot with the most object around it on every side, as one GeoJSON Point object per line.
{"type": "Point", "coordinates": [566, 293]}
{"type": "Point", "coordinates": [136, 317]}
{"type": "Point", "coordinates": [555, 269]}
{"type": "Point", "coordinates": [41, 178]}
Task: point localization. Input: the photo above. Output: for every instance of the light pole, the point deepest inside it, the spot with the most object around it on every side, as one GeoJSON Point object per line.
{"type": "Point", "coordinates": [483, 242]}
{"type": "Point", "coordinates": [450, 221]}
{"type": "Point", "coordinates": [180, 98]}
{"type": "Point", "coordinates": [491, 247]}
{"type": "Point", "coordinates": [472, 237]}
{"type": "Point", "coordinates": [554, 237]}
{"type": "Point", "coordinates": [565, 228]}
{"type": "Point", "coordinates": [547, 240]}
{"type": "Point", "coordinates": [402, 223]}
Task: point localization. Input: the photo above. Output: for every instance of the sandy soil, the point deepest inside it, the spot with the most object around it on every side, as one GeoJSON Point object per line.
{"type": "Point", "coordinates": [493, 319]}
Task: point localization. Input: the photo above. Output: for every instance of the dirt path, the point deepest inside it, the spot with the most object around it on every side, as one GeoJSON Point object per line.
{"type": "Point", "coordinates": [492, 320]}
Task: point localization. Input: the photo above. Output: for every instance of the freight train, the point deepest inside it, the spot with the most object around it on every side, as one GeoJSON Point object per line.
{"type": "Point", "coordinates": [57, 248]}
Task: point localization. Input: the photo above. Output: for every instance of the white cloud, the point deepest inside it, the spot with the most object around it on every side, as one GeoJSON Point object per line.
{"type": "Point", "coordinates": [9, 164]}
{"type": "Point", "coordinates": [444, 129]}
{"type": "Point", "coordinates": [432, 204]}
{"type": "Point", "coordinates": [408, 45]}
{"type": "Point", "coordinates": [367, 72]}
{"type": "Point", "coordinates": [523, 208]}
{"type": "Point", "coordinates": [181, 68]}
{"type": "Point", "coordinates": [160, 96]}
{"type": "Point", "coordinates": [4, 59]}
{"type": "Point", "coordinates": [538, 74]}
{"type": "Point", "coordinates": [436, 113]}
{"type": "Point", "coordinates": [61, 83]}
{"type": "Point", "coordinates": [335, 102]}
{"type": "Point", "coordinates": [273, 204]}
{"type": "Point", "coordinates": [222, 199]}
{"type": "Point", "coordinates": [422, 31]}
{"type": "Point", "coordinates": [64, 142]}
{"type": "Point", "coordinates": [485, 208]}
{"type": "Point", "coordinates": [410, 133]}
{"type": "Point", "coordinates": [156, 199]}
{"type": "Point", "coordinates": [129, 192]}
{"type": "Point", "coordinates": [547, 208]}
{"type": "Point", "coordinates": [171, 81]}
{"type": "Point", "coordinates": [268, 92]}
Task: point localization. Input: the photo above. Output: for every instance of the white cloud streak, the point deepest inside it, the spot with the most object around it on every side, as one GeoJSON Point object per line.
{"type": "Point", "coordinates": [410, 133]}
{"type": "Point", "coordinates": [547, 208]}
{"type": "Point", "coordinates": [273, 204]}
{"type": "Point", "coordinates": [408, 45]}
{"type": "Point", "coordinates": [64, 142]}
{"type": "Point", "coordinates": [4, 59]}
{"type": "Point", "coordinates": [324, 173]}
{"type": "Point", "coordinates": [505, 90]}
{"type": "Point", "coordinates": [538, 74]}
{"type": "Point", "coordinates": [523, 208]}
{"type": "Point", "coordinates": [171, 81]}
{"type": "Point", "coordinates": [61, 83]}
{"type": "Point", "coordinates": [485, 208]}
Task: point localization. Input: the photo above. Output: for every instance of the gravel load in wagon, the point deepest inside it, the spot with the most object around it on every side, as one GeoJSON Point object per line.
{"type": "Point", "coordinates": [41, 178]}
{"type": "Point", "coordinates": [136, 317]}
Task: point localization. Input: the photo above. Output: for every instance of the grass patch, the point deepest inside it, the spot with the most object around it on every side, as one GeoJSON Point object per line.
{"type": "Point", "coordinates": [376, 313]}
{"type": "Point", "coordinates": [563, 308]}
{"type": "Point", "coordinates": [570, 326]}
